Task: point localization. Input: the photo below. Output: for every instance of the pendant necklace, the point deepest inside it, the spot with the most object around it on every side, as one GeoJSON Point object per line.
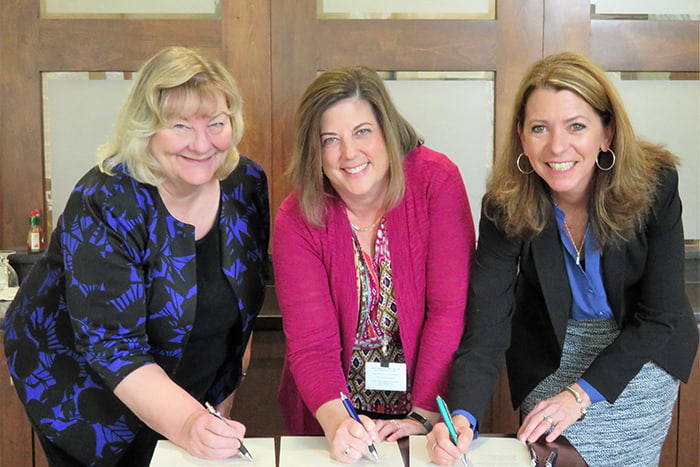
{"type": "Point", "coordinates": [578, 250]}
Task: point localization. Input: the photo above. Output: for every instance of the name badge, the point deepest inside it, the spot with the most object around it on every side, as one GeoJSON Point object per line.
{"type": "Point", "coordinates": [385, 376]}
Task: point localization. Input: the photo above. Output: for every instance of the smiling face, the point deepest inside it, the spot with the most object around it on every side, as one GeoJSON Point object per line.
{"type": "Point", "coordinates": [562, 134]}
{"type": "Point", "coordinates": [192, 145]}
{"type": "Point", "coordinates": [354, 154]}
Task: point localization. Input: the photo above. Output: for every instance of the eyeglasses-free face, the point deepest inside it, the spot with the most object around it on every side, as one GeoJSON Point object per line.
{"type": "Point", "coordinates": [562, 135]}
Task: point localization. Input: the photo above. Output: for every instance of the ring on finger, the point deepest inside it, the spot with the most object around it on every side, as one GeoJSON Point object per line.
{"type": "Point", "coordinates": [347, 451]}
{"type": "Point", "coordinates": [396, 424]}
{"type": "Point", "coordinates": [434, 446]}
{"type": "Point", "coordinates": [549, 420]}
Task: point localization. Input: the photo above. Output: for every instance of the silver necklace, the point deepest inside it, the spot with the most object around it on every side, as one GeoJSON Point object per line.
{"type": "Point", "coordinates": [578, 250]}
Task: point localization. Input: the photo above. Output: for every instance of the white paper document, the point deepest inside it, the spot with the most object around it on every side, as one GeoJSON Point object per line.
{"type": "Point", "coordinates": [484, 452]}
{"type": "Point", "coordinates": [262, 450]}
{"type": "Point", "coordinates": [313, 451]}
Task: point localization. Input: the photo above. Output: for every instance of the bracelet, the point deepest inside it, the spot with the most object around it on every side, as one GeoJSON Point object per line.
{"type": "Point", "coordinates": [575, 393]}
{"type": "Point", "coordinates": [579, 400]}
{"type": "Point", "coordinates": [421, 419]}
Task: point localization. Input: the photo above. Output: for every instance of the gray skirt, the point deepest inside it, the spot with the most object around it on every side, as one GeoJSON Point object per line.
{"type": "Point", "coordinates": [629, 432]}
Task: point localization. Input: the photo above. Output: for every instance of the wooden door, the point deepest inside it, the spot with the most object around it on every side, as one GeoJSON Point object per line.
{"type": "Point", "coordinates": [31, 44]}
{"type": "Point", "coordinates": [275, 48]}
{"type": "Point", "coordinates": [636, 44]}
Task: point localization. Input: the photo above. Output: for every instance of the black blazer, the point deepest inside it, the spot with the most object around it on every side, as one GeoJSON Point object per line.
{"type": "Point", "coordinates": [520, 299]}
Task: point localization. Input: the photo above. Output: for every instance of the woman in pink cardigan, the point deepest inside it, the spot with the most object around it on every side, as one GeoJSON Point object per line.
{"type": "Point", "coordinates": [371, 254]}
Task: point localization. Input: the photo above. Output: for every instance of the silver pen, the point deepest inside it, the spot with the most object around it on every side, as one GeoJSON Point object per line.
{"type": "Point", "coordinates": [552, 458]}
{"type": "Point", "coordinates": [216, 413]}
{"type": "Point", "coordinates": [533, 454]}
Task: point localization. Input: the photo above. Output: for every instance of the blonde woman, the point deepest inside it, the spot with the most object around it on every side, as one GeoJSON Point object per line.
{"type": "Point", "coordinates": [141, 310]}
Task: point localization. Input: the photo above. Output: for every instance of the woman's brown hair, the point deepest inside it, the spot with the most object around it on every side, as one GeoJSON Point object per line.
{"type": "Point", "coordinates": [327, 89]}
{"type": "Point", "coordinates": [620, 198]}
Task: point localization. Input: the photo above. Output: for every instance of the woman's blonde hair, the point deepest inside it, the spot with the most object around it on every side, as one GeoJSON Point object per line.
{"type": "Point", "coordinates": [163, 85]}
{"type": "Point", "coordinates": [620, 198]}
{"type": "Point", "coordinates": [332, 86]}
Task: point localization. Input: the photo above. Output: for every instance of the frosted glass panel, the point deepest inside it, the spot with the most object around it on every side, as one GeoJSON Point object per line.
{"type": "Point", "coordinates": [79, 116]}
{"type": "Point", "coordinates": [455, 117]}
{"type": "Point", "coordinates": [397, 9]}
{"type": "Point", "coordinates": [648, 7]}
{"type": "Point", "coordinates": [129, 7]}
{"type": "Point", "coordinates": [668, 112]}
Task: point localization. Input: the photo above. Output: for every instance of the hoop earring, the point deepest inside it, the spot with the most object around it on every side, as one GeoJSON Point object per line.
{"type": "Point", "coordinates": [517, 163]}
{"type": "Point", "coordinates": [612, 164]}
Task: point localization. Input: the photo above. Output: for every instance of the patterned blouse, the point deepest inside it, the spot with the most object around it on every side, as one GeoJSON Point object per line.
{"type": "Point", "coordinates": [377, 338]}
{"type": "Point", "coordinates": [78, 326]}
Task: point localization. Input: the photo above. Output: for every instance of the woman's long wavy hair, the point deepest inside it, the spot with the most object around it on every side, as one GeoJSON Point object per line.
{"type": "Point", "coordinates": [164, 85]}
{"type": "Point", "coordinates": [620, 198]}
{"type": "Point", "coordinates": [330, 87]}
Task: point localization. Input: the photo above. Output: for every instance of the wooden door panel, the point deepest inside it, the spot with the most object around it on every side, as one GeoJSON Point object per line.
{"type": "Point", "coordinates": [246, 27]}
{"type": "Point", "coordinates": [638, 45]}
{"type": "Point", "coordinates": [408, 45]}
{"type": "Point", "coordinates": [89, 44]}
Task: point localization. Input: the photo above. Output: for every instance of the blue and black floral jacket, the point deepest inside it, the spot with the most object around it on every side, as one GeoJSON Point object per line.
{"type": "Point", "coordinates": [117, 290]}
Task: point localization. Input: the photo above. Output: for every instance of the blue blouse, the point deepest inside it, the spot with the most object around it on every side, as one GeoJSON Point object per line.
{"type": "Point", "coordinates": [587, 290]}
{"type": "Point", "coordinates": [589, 298]}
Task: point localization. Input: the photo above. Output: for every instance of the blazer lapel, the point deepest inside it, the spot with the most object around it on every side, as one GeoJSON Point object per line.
{"type": "Point", "coordinates": [553, 278]}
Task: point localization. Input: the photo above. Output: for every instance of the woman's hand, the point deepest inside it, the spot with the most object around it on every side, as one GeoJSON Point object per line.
{"type": "Point", "coordinates": [168, 409]}
{"type": "Point", "coordinates": [208, 437]}
{"type": "Point", "coordinates": [349, 441]}
{"type": "Point", "coordinates": [558, 413]}
{"type": "Point", "coordinates": [441, 449]}
{"type": "Point", "coordinates": [392, 430]}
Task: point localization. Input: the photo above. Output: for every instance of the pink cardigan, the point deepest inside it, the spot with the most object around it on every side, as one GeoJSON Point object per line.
{"type": "Point", "coordinates": [431, 240]}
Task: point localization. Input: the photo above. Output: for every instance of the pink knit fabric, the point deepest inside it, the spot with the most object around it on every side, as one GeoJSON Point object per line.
{"type": "Point", "coordinates": [431, 233]}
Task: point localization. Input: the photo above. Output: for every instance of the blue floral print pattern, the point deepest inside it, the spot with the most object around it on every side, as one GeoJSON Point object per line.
{"type": "Point", "coordinates": [78, 326]}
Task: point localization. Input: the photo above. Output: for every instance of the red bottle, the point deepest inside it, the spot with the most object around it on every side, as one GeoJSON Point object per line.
{"type": "Point", "coordinates": [35, 234]}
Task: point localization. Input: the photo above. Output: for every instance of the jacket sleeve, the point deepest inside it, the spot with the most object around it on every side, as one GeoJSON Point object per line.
{"type": "Point", "coordinates": [103, 239]}
{"type": "Point", "coordinates": [654, 302]}
{"type": "Point", "coordinates": [309, 315]}
{"type": "Point", "coordinates": [450, 248]}
{"type": "Point", "coordinates": [487, 331]}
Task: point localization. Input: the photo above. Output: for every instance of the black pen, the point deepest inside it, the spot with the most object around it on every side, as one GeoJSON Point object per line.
{"type": "Point", "coordinates": [351, 411]}
{"type": "Point", "coordinates": [533, 454]}
{"type": "Point", "coordinates": [216, 413]}
{"type": "Point", "coordinates": [551, 458]}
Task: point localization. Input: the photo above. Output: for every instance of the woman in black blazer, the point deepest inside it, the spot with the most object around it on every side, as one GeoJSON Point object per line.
{"type": "Point", "coordinates": [578, 277]}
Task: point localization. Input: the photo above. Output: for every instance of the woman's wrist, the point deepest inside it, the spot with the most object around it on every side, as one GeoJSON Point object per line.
{"type": "Point", "coordinates": [330, 415]}
{"type": "Point", "coordinates": [419, 419]}
{"type": "Point", "coordinates": [581, 398]}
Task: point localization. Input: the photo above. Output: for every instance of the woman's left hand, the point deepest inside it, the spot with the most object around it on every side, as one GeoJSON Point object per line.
{"type": "Point", "coordinates": [558, 413]}
{"type": "Point", "coordinates": [392, 430]}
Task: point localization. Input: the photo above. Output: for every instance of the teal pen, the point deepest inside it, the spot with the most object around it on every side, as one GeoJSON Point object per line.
{"type": "Point", "coordinates": [447, 418]}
